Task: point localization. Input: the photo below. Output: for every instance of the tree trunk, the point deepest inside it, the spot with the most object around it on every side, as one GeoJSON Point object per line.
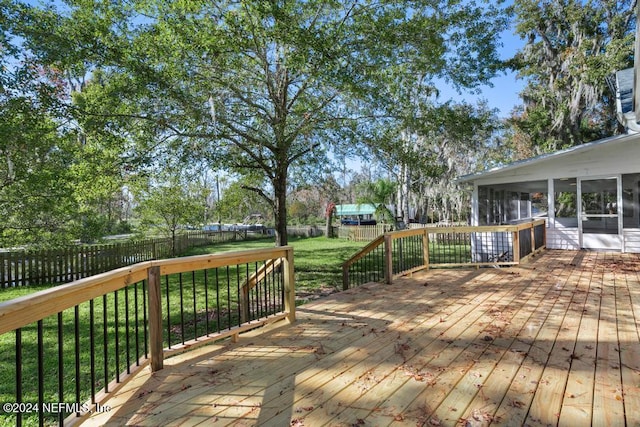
{"type": "Point", "coordinates": [280, 208]}
{"type": "Point", "coordinates": [173, 243]}
{"type": "Point", "coordinates": [406, 217]}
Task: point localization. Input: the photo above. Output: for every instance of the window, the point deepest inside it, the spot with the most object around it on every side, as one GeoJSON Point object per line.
{"type": "Point", "coordinates": [566, 196]}
{"type": "Point", "coordinates": [512, 203]}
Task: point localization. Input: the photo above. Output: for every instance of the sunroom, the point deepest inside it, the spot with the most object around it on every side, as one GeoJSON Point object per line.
{"type": "Point", "coordinates": [588, 194]}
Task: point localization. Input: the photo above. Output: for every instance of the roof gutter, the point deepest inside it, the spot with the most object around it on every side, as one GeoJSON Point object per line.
{"type": "Point", "coordinates": [630, 120]}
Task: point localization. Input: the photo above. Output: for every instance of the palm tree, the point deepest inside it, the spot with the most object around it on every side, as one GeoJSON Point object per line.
{"type": "Point", "coordinates": [378, 193]}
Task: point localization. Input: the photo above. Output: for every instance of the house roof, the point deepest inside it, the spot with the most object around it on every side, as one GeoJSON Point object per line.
{"type": "Point", "coordinates": [546, 157]}
{"type": "Point", "coordinates": [355, 209]}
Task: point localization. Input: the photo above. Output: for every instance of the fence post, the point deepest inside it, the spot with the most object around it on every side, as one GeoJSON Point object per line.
{"type": "Point", "coordinates": [289, 287]}
{"type": "Point", "coordinates": [388, 257]}
{"type": "Point", "coordinates": [155, 319]}
{"type": "Point", "coordinates": [425, 247]}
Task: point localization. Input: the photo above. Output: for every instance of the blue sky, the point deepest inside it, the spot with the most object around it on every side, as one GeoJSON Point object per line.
{"type": "Point", "coordinates": [504, 95]}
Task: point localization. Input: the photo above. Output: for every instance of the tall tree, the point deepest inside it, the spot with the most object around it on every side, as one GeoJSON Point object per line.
{"type": "Point", "coordinates": [266, 85]}
{"type": "Point", "coordinates": [64, 177]}
{"type": "Point", "coordinates": [37, 203]}
{"type": "Point", "coordinates": [572, 46]}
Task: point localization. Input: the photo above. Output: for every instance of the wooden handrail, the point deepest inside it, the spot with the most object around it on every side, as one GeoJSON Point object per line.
{"type": "Point", "coordinates": [364, 251]}
{"type": "Point", "coordinates": [22, 311]}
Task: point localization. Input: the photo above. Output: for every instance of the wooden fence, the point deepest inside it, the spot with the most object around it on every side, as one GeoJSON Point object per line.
{"type": "Point", "coordinates": [56, 266]}
{"type": "Point", "coordinates": [362, 233]}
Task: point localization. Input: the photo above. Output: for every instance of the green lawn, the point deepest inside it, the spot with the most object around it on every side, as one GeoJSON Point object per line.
{"type": "Point", "coordinates": [317, 260]}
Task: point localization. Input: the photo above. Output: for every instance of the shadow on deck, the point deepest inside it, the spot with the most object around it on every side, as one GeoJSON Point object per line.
{"type": "Point", "coordinates": [551, 342]}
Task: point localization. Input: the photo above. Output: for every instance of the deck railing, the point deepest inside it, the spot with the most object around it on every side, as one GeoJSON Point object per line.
{"type": "Point", "coordinates": [65, 349]}
{"type": "Point", "coordinates": [403, 252]}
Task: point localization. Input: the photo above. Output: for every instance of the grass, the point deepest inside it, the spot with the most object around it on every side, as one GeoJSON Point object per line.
{"type": "Point", "coordinates": [317, 260]}
{"type": "Point", "coordinates": [317, 263]}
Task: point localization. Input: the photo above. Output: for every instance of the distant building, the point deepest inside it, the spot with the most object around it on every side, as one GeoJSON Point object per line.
{"type": "Point", "coordinates": [356, 214]}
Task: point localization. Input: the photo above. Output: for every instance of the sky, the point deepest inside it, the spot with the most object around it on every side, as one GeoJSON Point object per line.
{"type": "Point", "coordinates": [504, 95]}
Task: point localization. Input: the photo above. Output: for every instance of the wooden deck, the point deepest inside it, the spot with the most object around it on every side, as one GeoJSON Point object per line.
{"type": "Point", "coordinates": [553, 342]}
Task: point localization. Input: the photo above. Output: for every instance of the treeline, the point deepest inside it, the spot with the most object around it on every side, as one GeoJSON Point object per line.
{"type": "Point", "coordinates": [154, 115]}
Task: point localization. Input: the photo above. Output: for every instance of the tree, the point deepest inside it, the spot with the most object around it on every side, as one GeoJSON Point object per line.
{"type": "Point", "coordinates": [268, 86]}
{"type": "Point", "coordinates": [432, 146]}
{"type": "Point", "coordinates": [379, 193]}
{"type": "Point", "coordinates": [237, 202]}
{"type": "Point", "coordinates": [572, 46]}
{"type": "Point", "coordinates": [63, 174]}
{"type": "Point", "coordinates": [37, 204]}
{"type": "Point", "coordinates": [168, 205]}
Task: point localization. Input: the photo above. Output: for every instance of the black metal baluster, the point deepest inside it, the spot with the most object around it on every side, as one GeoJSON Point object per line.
{"type": "Point", "coordinates": [61, 414]}
{"type": "Point", "coordinates": [166, 280]}
{"type": "Point", "coordinates": [206, 302]}
{"type": "Point", "coordinates": [272, 289]}
{"type": "Point", "coordinates": [254, 302]}
{"type": "Point", "coordinates": [137, 319]}
{"type": "Point", "coordinates": [126, 329]}
{"type": "Point", "coordinates": [238, 307]}
{"type": "Point", "coordinates": [76, 321]}
{"type": "Point", "coordinates": [40, 373]}
{"type": "Point", "coordinates": [229, 299]}
{"type": "Point", "coordinates": [181, 307]}
{"type": "Point", "coordinates": [218, 300]}
{"type": "Point", "coordinates": [18, 374]}
{"type": "Point", "coordinates": [195, 311]}
{"type": "Point", "coordinates": [117, 334]}
{"type": "Point", "coordinates": [105, 348]}
{"type": "Point", "coordinates": [263, 300]}
{"type": "Point", "coordinates": [92, 350]}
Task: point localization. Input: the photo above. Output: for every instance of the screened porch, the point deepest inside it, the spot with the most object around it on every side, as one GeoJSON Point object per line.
{"type": "Point", "coordinates": [581, 212]}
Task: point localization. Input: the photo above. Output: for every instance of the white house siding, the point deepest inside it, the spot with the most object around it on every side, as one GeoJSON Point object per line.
{"type": "Point", "coordinates": [631, 239]}
{"type": "Point", "coordinates": [563, 238]}
{"type": "Point", "coordinates": [617, 155]}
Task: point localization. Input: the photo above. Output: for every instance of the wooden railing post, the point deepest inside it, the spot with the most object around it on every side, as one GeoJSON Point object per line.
{"type": "Point", "coordinates": [533, 238]}
{"type": "Point", "coordinates": [388, 257]}
{"type": "Point", "coordinates": [155, 319]}
{"type": "Point", "coordinates": [244, 303]}
{"type": "Point", "coordinates": [345, 276]}
{"type": "Point", "coordinates": [425, 248]}
{"type": "Point", "coordinates": [289, 287]}
{"type": "Point", "coordinates": [516, 246]}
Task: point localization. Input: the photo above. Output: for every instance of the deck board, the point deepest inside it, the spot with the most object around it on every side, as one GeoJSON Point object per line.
{"type": "Point", "coordinates": [552, 342]}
